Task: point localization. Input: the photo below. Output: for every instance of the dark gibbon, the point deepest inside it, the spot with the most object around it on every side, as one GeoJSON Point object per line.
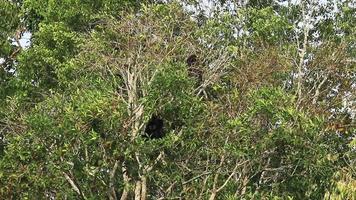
{"type": "Point", "coordinates": [192, 60]}
{"type": "Point", "coordinates": [193, 70]}
{"type": "Point", "coordinates": [154, 128]}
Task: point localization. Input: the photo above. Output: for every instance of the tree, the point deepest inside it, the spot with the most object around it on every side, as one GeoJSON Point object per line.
{"type": "Point", "coordinates": [264, 111]}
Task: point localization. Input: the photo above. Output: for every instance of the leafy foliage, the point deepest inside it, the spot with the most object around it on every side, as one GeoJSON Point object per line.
{"type": "Point", "coordinates": [75, 104]}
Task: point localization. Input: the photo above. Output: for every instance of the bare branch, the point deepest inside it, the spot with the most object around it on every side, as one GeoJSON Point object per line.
{"type": "Point", "coordinates": [111, 181]}
{"type": "Point", "coordinates": [74, 185]}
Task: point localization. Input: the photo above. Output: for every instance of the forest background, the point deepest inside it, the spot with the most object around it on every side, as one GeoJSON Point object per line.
{"type": "Point", "coordinates": [257, 99]}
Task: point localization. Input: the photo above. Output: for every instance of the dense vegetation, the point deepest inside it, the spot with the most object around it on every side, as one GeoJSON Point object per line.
{"type": "Point", "coordinates": [256, 99]}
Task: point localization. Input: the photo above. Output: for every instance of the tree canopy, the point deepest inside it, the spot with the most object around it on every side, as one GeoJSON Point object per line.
{"type": "Point", "coordinates": [177, 99]}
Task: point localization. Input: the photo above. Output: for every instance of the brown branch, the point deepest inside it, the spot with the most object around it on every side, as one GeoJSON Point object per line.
{"type": "Point", "coordinates": [126, 178]}
{"type": "Point", "coordinates": [138, 190]}
{"type": "Point", "coordinates": [111, 181]}
{"type": "Point", "coordinates": [74, 185]}
{"type": "Point", "coordinates": [301, 57]}
{"type": "Point", "coordinates": [317, 91]}
{"type": "Point", "coordinates": [216, 177]}
{"type": "Point", "coordinates": [196, 177]}
{"type": "Point", "coordinates": [231, 175]}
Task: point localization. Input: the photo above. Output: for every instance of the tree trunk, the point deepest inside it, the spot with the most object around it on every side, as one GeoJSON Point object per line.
{"type": "Point", "coordinates": [143, 187]}
{"type": "Point", "coordinates": [138, 190]}
{"type": "Point", "coordinates": [302, 54]}
{"type": "Point", "coordinates": [126, 183]}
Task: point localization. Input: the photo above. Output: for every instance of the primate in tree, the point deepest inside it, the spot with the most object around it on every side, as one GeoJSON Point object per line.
{"type": "Point", "coordinates": [193, 71]}
{"type": "Point", "coordinates": [154, 128]}
{"type": "Point", "coordinates": [97, 126]}
{"type": "Point", "coordinates": [192, 60]}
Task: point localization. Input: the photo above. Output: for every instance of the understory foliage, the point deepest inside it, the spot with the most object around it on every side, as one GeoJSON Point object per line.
{"type": "Point", "coordinates": [248, 115]}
